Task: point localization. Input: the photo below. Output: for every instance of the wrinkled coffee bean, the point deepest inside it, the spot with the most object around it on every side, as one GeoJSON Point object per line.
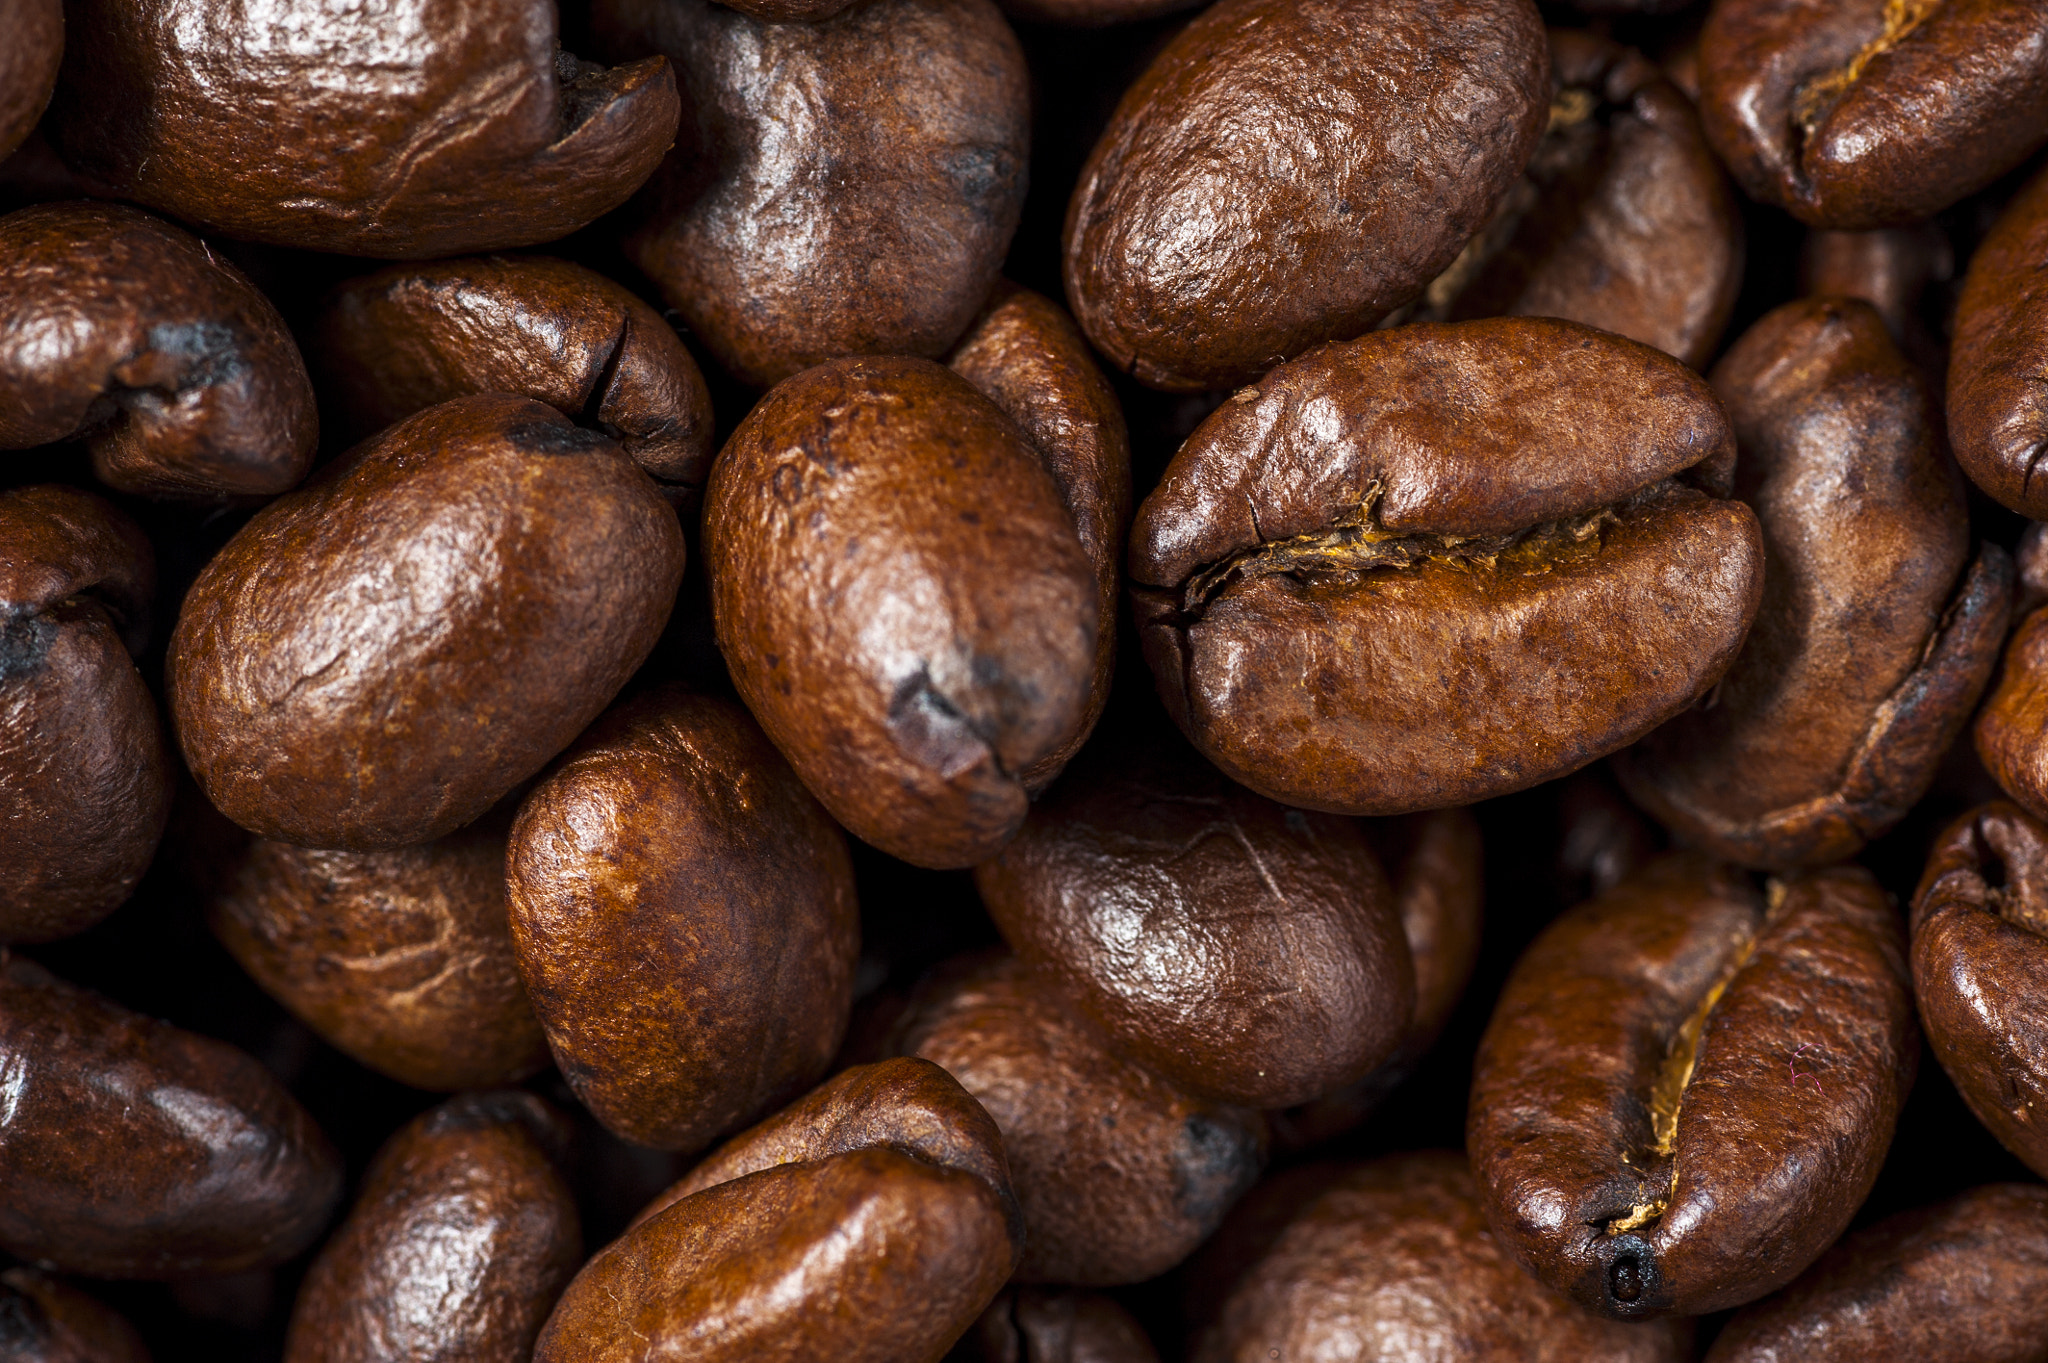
{"type": "Point", "coordinates": [1997, 416]}
{"type": "Point", "coordinates": [85, 776]}
{"type": "Point", "coordinates": [416, 129]}
{"type": "Point", "coordinates": [902, 600]}
{"type": "Point", "coordinates": [1868, 654]}
{"type": "Point", "coordinates": [461, 1238]}
{"type": "Point", "coordinates": [1859, 114]}
{"type": "Point", "coordinates": [130, 1148]}
{"type": "Point", "coordinates": [1689, 1083]}
{"type": "Point", "coordinates": [685, 920]}
{"type": "Point", "coordinates": [122, 331]}
{"type": "Point", "coordinates": [1034, 1325]}
{"type": "Point", "coordinates": [1197, 258]}
{"type": "Point", "coordinates": [28, 66]}
{"type": "Point", "coordinates": [375, 660]}
{"type": "Point", "coordinates": [871, 1222]}
{"type": "Point", "coordinates": [857, 202]}
{"type": "Point", "coordinates": [1442, 563]}
{"type": "Point", "coordinates": [1980, 970]}
{"type": "Point", "coordinates": [1120, 1173]}
{"type": "Point", "coordinates": [43, 1320]}
{"type": "Point", "coordinates": [1965, 1281]}
{"type": "Point", "coordinates": [2012, 726]}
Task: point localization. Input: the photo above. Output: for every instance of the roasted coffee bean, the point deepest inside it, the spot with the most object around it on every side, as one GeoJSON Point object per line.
{"type": "Point", "coordinates": [85, 776]}
{"type": "Point", "coordinates": [1623, 219]}
{"type": "Point", "coordinates": [458, 1244]}
{"type": "Point", "coordinates": [28, 66]}
{"type": "Point", "coordinates": [1442, 563]}
{"type": "Point", "coordinates": [2030, 571]}
{"type": "Point", "coordinates": [1689, 1084]}
{"type": "Point", "coordinates": [130, 1148]}
{"type": "Point", "coordinates": [869, 1222]}
{"type": "Point", "coordinates": [1034, 1325]}
{"type": "Point", "coordinates": [400, 959]}
{"type": "Point", "coordinates": [375, 660]}
{"type": "Point", "coordinates": [1120, 1173]}
{"type": "Point", "coordinates": [1997, 416]}
{"type": "Point", "coordinates": [1250, 953]}
{"type": "Point", "coordinates": [1980, 970]}
{"type": "Point", "coordinates": [122, 331]}
{"type": "Point", "coordinates": [1091, 13]}
{"type": "Point", "coordinates": [685, 919]}
{"type": "Point", "coordinates": [416, 129]}
{"type": "Point", "coordinates": [1199, 254]}
{"type": "Point", "coordinates": [43, 1320]}
{"type": "Point", "coordinates": [2012, 728]}
{"type": "Point", "coordinates": [1872, 644]}
{"type": "Point", "coordinates": [857, 202]}
{"type": "Point", "coordinates": [903, 601]}
{"type": "Point", "coordinates": [1391, 1261]}
{"type": "Point", "coordinates": [1602, 839]}
{"type": "Point", "coordinates": [1859, 114]}
{"type": "Point", "coordinates": [405, 338]}
{"type": "Point", "coordinates": [1965, 1281]}
{"type": "Point", "coordinates": [1890, 268]}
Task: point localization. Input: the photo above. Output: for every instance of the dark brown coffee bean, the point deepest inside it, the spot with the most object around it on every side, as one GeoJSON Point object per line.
{"type": "Point", "coordinates": [1872, 113]}
{"type": "Point", "coordinates": [2012, 728]}
{"type": "Point", "coordinates": [1689, 1084]}
{"type": "Point", "coordinates": [1251, 953]}
{"type": "Point", "coordinates": [130, 1148]}
{"type": "Point", "coordinates": [1091, 13]}
{"type": "Point", "coordinates": [1602, 839]}
{"type": "Point", "coordinates": [85, 776]}
{"type": "Point", "coordinates": [1997, 416]}
{"type": "Point", "coordinates": [405, 338]}
{"type": "Point", "coordinates": [43, 1320]}
{"type": "Point", "coordinates": [1890, 268]}
{"type": "Point", "coordinates": [1120, 1172]}
{"type": "Point", "coordinates": [859, 202]}
{"type": "Point", "coordinates": [902, 600]}
{"type": "Point", "coordinates": [1034, 1325]}
{"type": "Point", "coordinates": [1965, 1281]}
{"type": "Point", "coordinates": [461, 1238]}
{"type": "Point", "coordinates": [1980, 970]}
{"type": "Point", "coordinates": [1872, 644]}
{"type": "Point", "coordinates": [124, 332]}
{"type": "Point", "coordinates": [870, 1222]}
{"type": "Point", "coordinates": [2030, 571]}
{"type": "Point", "coordinates": [421, 128]}
{"type": "Point", "coordinates": [375, 660]}
{"type": "Point", "coordinates": [1442, 563]}
{"type": "Point", "coordinates": [28, 66]}
{"type": "Point", "coordinates": [1391, 1261]}
{"type": "Point", "coordinates": [1199, 254]}
{"type": "Point", "coordinates": [685, 919]}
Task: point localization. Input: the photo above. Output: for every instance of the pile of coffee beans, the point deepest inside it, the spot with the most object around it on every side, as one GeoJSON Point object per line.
{"type": "Point", "coordinates": [1024, 681]}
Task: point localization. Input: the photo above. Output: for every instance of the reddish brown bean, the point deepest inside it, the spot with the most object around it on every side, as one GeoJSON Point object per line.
{"type": "Point", "coordinates": [28, 66]}
{"type": "Point", "coordinates": [1997, 417]}
{"type": "Point", "coordinates": [2012, 727]}
{"type": "Point", "coordinates": [43, 1320]}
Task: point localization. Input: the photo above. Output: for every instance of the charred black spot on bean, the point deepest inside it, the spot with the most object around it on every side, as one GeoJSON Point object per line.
{"type": "Point", "coordinates": [26, 638]}
{"type": "Point", "coordinates": [550, 437]}
{"type": "Point", "coordinates": [1625, 1279]}
{"type": "Point", "coordinates": [210, 353]}
{"type": "Point", "coordinates": [1214, 1164]}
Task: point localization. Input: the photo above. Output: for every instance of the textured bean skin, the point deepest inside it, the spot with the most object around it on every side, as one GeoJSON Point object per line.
{"type": "Point", "coordinates": [685, 921]}
{"type": "Point", "coordinates": [903, 601]}
{"type": "Point", "coordinates": [1980, 970]}
{"type": "Point", "coordinates": [1034, 1325]}
{"type": "Point", "coordinates": [375, 660]}
{"type": "Point", "coordinates": [1442, 563]}
{"type": "Point", "coordinates": [85, 776]}
{"type": "Point", "coordinates": [1868, 653]}
{"type": "Point", "coordinates": [123, 330]}
{"type": "Point", "coordinates": [28, 67]}
{"type": "Point", "coordinates": [1642, 1136]}
{"type": "Point", "coordinates": [395, 131]}
{"type": "Point", "coordinates": [1255, 195]}
{"type": "Point", "coordinates": [199, 1162]}
{"type": "Point", "coordinates": [457, 1246]}
{"type": "Point", "coordinates": [2013, 722]}
{"type": "Point", "coordinates": [43, 1320]}
{"type": "Point", "coordinates": [1997, 417]}
{"type": "Point", "coordinates": [859, 202]}
{"type": "Point", "coordinates": [1903, 1287]}
{"type": "Point", "coordinates": [1872, 113]}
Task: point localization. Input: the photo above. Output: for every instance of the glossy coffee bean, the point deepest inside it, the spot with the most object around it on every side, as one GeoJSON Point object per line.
{"type": "Point", "coordinates": [1980, 970]}
{"type": "Point", "coordinates": [1996, 414]}
{"type": "Point", "coordinates": [1120, 1172]}
{"type": "Point", "coordinates": [1872, 644]}
{"type": "Point", "coordinates": [197, 1162]}
{"type": "Point", "coordinates": [871, 1221]}
{"type": "Point", "coordinates": [685, 921]}
{"type": "Point", "coordinates": [903, 601]}
{"type": "Point", "coordinates": [1392, 1260]}
{"type": "Point", "coordinates": [405, 338]}
{"type": "Point", "coordinates": [1859, 114]}
{"type": "Point", "coordinates": [1250, 953]}
{"type": "Point", "coordinates": [375, 660]}
{"type": "Point", "coordinates": [28, 65]}
{"type": "Point", "coordinates": [1197, 259]}
{"type": "Point", "coordinates": [859, 202]}
{"type": "Point", "coordinates": [85, 775]}
{"type": "Point", "coordinates": [124, 332]}
{"type": "Point", "coordinates": [2012, 727]}
{"type": "Point", "coordinates": [420, 128]}
{"type": "Point", "coordinates": [1964, 1281]}
{"type": "Point", "coordinates": [1035, 1325]}
{"type": "Point", "coordinates": [1689, 1084]}
{"type": "Point", "coordinates": [1442, 563]}
{"type": "Point", "coordinates": [461, 1238]}
{"type": "Point", "coordinates": [45, 1320]}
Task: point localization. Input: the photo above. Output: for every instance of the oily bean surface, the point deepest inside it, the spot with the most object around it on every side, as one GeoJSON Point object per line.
{"type": "Point", "coordinates": [46, 1320]}
{"type": "Point", "coordinates": [1997, 416]}
{"type": "Point", "coordinates": [28, 66]}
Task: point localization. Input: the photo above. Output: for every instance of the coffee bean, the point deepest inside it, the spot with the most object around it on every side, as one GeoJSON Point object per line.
{"type": "Point", "coordinates": [28, 67]}
{"type": "Point", "coordinates": [1996, 416]}
{"type": "Point", "coordinates": [44, 1320]}
{"type": "Point", "coordinates": [1035, 1325]}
